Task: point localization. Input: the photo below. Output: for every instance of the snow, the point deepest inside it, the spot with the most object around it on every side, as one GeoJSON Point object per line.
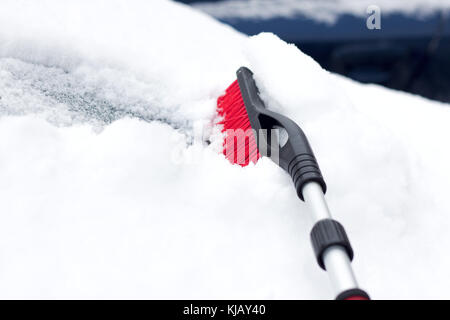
{"type": "Point", "coordinates": [109, 189]}
{"type": "Point", "coordinates": [324, 11]}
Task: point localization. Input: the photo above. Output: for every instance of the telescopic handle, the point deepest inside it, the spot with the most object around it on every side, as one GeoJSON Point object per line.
{"type": "Point", "coordinates": [331, 246]}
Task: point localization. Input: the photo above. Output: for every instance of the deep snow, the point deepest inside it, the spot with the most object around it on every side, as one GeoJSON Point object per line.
{"type": "Point", "coordinates": [99, 201]}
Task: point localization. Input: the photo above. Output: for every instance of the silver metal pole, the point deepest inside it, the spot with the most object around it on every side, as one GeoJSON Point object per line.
{"type": "Point", "coordinates": [336, 260]}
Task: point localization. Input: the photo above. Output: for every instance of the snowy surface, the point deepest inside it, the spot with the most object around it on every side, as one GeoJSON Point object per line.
{"type": "Point", "coordinates": [326, 11]}
{"type": "Point", "coordinates": [108, 189]}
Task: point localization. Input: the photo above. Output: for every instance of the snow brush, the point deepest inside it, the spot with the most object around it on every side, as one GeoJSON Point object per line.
{"type": "Point", "coordinates": [252, 131]}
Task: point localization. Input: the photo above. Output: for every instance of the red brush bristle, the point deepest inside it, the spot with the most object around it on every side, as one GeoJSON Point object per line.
{"type": "Point", "coordinates": [240, 144]}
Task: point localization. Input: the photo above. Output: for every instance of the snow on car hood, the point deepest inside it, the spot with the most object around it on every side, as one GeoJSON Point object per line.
{"type": "Point", "coordinates": [111, 189]}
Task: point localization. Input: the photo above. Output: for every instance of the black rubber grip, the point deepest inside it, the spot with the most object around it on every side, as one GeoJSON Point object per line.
{"type": "Point", "coordinates": [296, 156]}
{"type": "Point", "coordinates": [304, 168]}
{"type": "Point", "coordinates": [353, 294]}
{"type": "Point", "coordinates": [327, 233]}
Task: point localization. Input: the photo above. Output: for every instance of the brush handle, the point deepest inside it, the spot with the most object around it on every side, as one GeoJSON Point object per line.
{"type": "Point", "coordinates": [295, 156]}
{"type": "Point", "coordinates": [329, 239]}
{"type": "Point", "coordinates": [331, 246]}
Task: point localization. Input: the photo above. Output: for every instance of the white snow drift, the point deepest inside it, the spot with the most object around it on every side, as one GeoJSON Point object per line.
{"type": "Point", "coordinates": [109, 190]}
